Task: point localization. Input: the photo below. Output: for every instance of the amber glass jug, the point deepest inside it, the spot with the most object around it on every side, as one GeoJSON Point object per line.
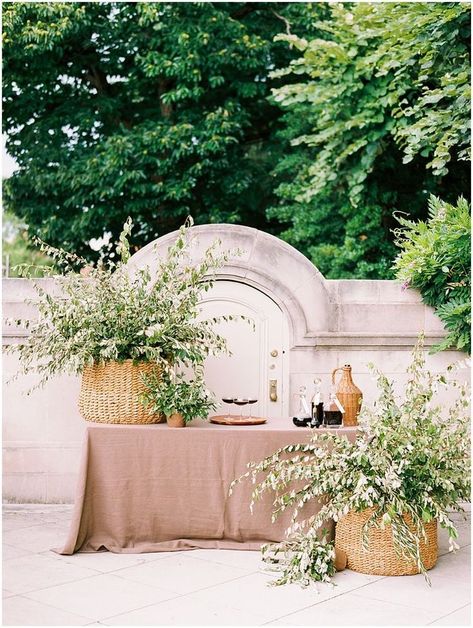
{"type": "Point", "coordinates": [349, 395]}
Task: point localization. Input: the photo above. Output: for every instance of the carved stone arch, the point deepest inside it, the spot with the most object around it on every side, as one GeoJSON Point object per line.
{"type": "Point", "coordinates": [267, 264]}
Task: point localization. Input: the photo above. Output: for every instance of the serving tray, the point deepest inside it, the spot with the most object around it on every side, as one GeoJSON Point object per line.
{"type": "Point", "coordinates": [223, 419]}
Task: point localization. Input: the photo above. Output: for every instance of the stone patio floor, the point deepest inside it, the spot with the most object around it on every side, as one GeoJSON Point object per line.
{"type": "Point", "coordinates": [206, 587]}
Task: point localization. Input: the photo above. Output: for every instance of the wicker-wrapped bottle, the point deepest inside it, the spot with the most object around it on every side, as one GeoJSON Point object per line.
{"type": "Point", "coordinates": [349, 395]}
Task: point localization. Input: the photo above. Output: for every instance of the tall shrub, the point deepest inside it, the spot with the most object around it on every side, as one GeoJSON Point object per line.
{"type": "Point", "coordinates": [435, 258]}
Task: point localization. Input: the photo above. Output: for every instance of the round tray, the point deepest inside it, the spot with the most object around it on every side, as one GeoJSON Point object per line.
{"type": "Point", "coordinates": [223, 419]}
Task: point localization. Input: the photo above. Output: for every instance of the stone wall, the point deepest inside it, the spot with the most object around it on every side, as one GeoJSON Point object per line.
{"type": "Point", "coordinates": [376, 322]}
{"type": "Point", "coordinates": [363, 321]}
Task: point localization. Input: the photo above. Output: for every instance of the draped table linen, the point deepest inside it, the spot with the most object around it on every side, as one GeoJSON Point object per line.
{"type": "Point", "coordinates": [151, 488]}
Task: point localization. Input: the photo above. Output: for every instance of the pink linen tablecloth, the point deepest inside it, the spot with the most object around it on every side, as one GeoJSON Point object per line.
{"type": "Point", "coordinates": [151, 488]}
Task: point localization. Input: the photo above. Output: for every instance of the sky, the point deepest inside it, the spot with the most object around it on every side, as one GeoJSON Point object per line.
{"type": "Point", "coordinates": [8, 163]}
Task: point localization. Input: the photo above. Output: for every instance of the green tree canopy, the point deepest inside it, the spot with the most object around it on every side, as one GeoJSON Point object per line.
{"type": "Point", "coordinates": [378, 111]}
{"type": "Point", "coordinates": [159, 110]}
{"type": "Point", "coordinates": [154, 110]}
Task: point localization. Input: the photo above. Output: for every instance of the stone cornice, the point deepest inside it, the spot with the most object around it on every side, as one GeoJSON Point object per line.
{"type": "Point", "coordinates": [355, 341]}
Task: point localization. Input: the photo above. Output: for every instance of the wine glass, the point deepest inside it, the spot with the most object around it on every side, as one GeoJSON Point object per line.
{"type": "Point", "coordinates": [240, 401]}
{"type": "Point", "coordinates": [251, 401]}
{"type": "Point", "coordinates": [227, 400]}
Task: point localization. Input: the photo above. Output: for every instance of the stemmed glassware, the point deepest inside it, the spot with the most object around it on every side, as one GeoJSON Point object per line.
{"type": "Point", "coordinates": [251, 401]}
{"type": "Point", "coordinates": [228, 400]}
{"type": "Point", "coordinates": [240, 401]}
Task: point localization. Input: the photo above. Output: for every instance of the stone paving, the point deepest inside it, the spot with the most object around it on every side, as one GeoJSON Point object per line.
{"type": "Point", "coordinates": [206, 587]}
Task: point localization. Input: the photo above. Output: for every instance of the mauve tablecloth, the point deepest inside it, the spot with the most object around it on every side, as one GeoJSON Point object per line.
{"type": "Point", "coordinates": [152, 488]}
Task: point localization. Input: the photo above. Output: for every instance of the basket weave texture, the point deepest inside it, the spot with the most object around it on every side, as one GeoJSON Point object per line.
{"type": "Point", "coordinates": [351, 405]}
{"type": "Point", "coordinates": [349, 395]}
{"type": "Point", "coordinates": [381, 559]}
{"type": "Point", "coordinates": [110, 393]}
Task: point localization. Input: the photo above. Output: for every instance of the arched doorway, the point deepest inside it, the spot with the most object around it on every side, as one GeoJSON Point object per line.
{"type": "Point", "coordinates": [281, 290]}
{"type": "Point", "coordinates": [258, 364]}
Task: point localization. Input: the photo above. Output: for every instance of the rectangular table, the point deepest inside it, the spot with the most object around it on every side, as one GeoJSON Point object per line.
{"type": "Point", "coordinates": [154, 488]}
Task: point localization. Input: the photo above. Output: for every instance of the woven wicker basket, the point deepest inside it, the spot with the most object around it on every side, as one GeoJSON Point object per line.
{"type": "Point", "coordinates": [381, 559]}
{"type": "Point", "coordinates": [110, 393]}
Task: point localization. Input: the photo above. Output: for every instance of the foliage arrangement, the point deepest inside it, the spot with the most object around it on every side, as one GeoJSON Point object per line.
{"type": "Point", "coordinates": [305, 559]}
{"type": "Point", "coordinates": [105, 313]}
{"type": "Point", "coordinates": [378, 114]}
{"type": "Point", "coordinates": [436, 259]}
{"type": "Point", "coordinates": [172, 392]}
{"type": "Point", "coordinates": [152, 110]}
{"type": "Point", "coordinates": [411, 456]}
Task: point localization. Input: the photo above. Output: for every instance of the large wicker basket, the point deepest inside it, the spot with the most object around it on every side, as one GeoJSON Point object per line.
{"type": "Point", "coordinates": [381, 558]}
{"type": "Point", "coordinates": [110, 393]}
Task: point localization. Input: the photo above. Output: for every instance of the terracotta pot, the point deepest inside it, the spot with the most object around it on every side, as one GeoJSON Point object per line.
{"type": "Point", "coordinates": [176, 420]}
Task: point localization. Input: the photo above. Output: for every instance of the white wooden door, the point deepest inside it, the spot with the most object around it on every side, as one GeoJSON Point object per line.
{"type": "Point", "coordinates": [258, 366]}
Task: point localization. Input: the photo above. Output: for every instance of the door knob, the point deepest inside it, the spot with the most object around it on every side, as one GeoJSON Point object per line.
{"type": "Point", "coordinates": [273, 389]}
{"type": "Point", "coordinates": [274, 353]}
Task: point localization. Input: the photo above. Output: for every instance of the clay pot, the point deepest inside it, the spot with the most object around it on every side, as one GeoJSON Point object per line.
{"type": "Point", "coordinates": [176, 420]}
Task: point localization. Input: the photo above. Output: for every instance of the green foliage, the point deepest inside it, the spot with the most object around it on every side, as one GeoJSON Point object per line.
{"type": "Point", "coordinates": [160, 110]}
{"type": "Point", "coordinates": [16, 247]}
{"type": "Point", "coordinates": [151, 110]}
{"type": "Point", "coordinates": [436, 259]}
{"type": "Point", "coordinates": [171, 392]}
{"type": "Point", "coordinates": [305, 559]}
{"type": "Point", "coordinates": [378, 113]}
{"type": "Point", "coordinates": [107, 313]}
{"type": "Point", "coordinates": [411, 456]}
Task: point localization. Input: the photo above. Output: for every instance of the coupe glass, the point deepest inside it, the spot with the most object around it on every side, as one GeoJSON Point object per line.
{"type": "Point", "coordinates": [240, 401]}
{"type": "Point", "coordinates": [251, 401]}
{"type": "Point", "coordinates": [227, 400]}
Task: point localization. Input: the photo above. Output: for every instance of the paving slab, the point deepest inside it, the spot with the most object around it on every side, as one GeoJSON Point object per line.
{"type": "Point", "coordinates": [34, 572]}
{"type": "Point", "coordinates": [184, 611]}
{"type": "Point", "coordinates": [208, 587]}
{"type": "Point", "coordinates": [454, 565]}
{"type": "Point", "coordinates": [350, 610]}
{"type": "Point", "coordinates": [9, 552]}
{"type": "Point", "coordinates": [248, 560]}
{"type": "Point", "coordinates": [21, 611]}
{"type": "Point", "coordinates": [182, 574]}
{"type": "Point", "coordinates": [100, 596]}
{"type": "Point", "coordinates": [37, 538]}
{"type": "Point", "coordinates": [464, 533]}
{"type": "Point", "coordinates": [255, 595]}
{"type": "Point", "coordinates": [461, 617]}
{"type": "Point", "coordinates": [6, 593]}
{"type": "Point", "coordinates": [108, 562]}
{"type": "Point", "coordinates": [443, 597]}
